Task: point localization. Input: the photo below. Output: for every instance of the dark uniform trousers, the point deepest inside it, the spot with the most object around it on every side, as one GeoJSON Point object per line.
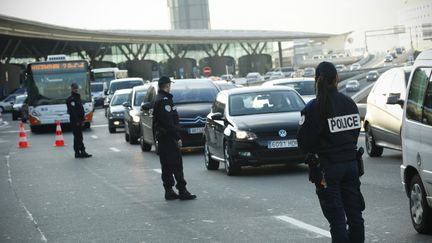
{"type": "Point", "coordinates": [77, 131]}
{"type": "Point", "coordinates": [171, 163]}
{"type": "Point", "coordinates": [341, 201]}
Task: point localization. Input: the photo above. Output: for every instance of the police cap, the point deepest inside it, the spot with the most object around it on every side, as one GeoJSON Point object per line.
{"type": "Point", "coordinates": [164, 80]}
{"type": "Point", "coordinates": [326, 69]}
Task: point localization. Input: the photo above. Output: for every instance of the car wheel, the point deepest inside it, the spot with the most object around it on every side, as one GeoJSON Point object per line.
{"type": "Point", "coordinates": [372, 149]}
{"type": "Point", "coordinates": [132, 138]}
{"type": "Point", "coordinates": [1, 109]}
{"type": "Point", "coordinates": [230, 168]}
{"type": "Point", "coordinates": [145, 147]}
{"type": "Point", "coordinates": [111, 129]}
{"type": "Point", "coordinates": [210, 163]}
{"type": "Point", "coordinates": [421, 214]}
{"type": "Point", "coordinates": [87, 125]}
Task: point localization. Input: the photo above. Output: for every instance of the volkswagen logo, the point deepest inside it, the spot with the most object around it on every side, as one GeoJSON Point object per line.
{"type": "Point", "coordinates": [282, 133]}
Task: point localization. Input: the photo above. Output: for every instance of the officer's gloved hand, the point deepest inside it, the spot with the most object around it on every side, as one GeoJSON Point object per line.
{"type": "Point", "coordinates": [179, 143]}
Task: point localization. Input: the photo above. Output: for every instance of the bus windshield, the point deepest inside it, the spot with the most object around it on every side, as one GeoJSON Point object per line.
{"type": "Point", "coordinates": [105, 77]}
{"type": "Point", "coordinates": [54, 88]}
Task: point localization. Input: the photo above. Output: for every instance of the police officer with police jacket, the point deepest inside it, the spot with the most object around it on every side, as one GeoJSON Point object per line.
{"type": "Point", "coordinates": [166, 122]}
{"type": "Point", "coordinates": [329, 130]}
{"type": "Point", "coordinates": [76, 117]}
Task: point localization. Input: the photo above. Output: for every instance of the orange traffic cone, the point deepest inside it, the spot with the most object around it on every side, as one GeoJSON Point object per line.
{"type": "Point", "coordinates": [22, 141]}
{"type": "Point", "coordinates": [59, 142]}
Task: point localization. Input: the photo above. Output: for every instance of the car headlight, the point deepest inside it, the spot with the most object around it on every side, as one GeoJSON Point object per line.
{"type": "Point", "coordinates": [245, 135]}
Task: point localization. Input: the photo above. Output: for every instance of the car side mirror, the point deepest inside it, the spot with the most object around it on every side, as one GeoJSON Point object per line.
{"type": "Point", "coordinates": [126, 104]}
{"type": "Point", "coordinates": [395, 100]}
{"type": "Point", "coordinates": [146, 106]}
{"type": "Point", "coordinates": [217, 116]}
{"type": "Point", "coordinates": [106, 92]}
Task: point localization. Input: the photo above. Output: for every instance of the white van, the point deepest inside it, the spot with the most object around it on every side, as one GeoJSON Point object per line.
{"type": "Point", "coordinates": [416, 170]}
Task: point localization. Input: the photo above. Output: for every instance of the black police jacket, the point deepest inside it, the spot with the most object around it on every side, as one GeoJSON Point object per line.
{"type": "Point", "coordinates": [334, 139]}
{"type": "Point", "coordinates": [75, 108]}
{"type": "Point", "coordinates": [165, 117]}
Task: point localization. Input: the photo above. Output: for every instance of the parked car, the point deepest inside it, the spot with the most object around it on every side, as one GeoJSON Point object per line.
{"type": "Point", "coordinates": [7, 103]}
{"type": "Point", "coordinates": [17, 107]}
{"type": "Point", "coordinates": [417, 143]}
{"type": "Point", "coordinates": [116, 110]}
{"type": "Point", "coordinates": [97, 93]}
{"type": "Point", "coordinates": [253, 77]}
{"type": "Point", "coordinates": [341, 68]}
{"type": "Point", "coordinates": [238, 132]}
{"type": "Point", "coordinates": [304, 86]}
{"type": "Point", "coordinates": [355, 66]}
{"type": "Point", "coordinates": [117, 84]}
{"type": "Point", "coordinates": [309, 72]}
{"type": "Point", "coordinates": [383, 120]}
{"type": "Point", "coordinates": [352, 86]}
{"type": "Point", "coordinates": [193, 99]}
{"type": "Point", "coordinates": [132, 113]}
{"type": "Point", "coordinates": [372, 76]}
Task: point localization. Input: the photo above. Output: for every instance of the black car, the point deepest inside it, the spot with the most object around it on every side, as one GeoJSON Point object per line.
{"type": "Point", "coordinates": [193, 99]}
{"type": "Point", "coordinates": [132, 113]}
{"type": "Point", "coordinates": [116, 110]}
{"type": "Point", "coordinates": [253, 126]}
{"type": "Point", "coordinates": [372, 76]}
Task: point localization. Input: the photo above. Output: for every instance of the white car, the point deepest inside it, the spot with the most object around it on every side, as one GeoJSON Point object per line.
{"type": "Point", "coordinates": [7, 103]}
{"type": "Point", "coordinates": [352, 86]}
{"type": "Point", "coordinates": [304, 86]}
{"type": "Point", "coordinates": [355, 66]}
{"type": "Point", "coordinates": [416, 168]}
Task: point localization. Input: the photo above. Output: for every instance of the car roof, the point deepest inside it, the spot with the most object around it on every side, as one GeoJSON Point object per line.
{"type": "Point", "coordinates": [122, 91]}
{"type": "Point", "coordinates": [252, 89]}
{"type": "Point", "coordinates": [126, 79]}
{"type": "Point", "coordinates": [141, 87]}
{"type": "Point", "coordinates": [288, 80]}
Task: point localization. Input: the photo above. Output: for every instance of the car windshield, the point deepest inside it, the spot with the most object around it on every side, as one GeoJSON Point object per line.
{"type": "Point", "coordinates": [303, 87]}
{"type": "Point", "coordinates": [139, 97]}
{"type": "Point", "coordinates": [264, 102]}
{"type": "Point", "coordinates": [119, 99]}
{"type": "Point", "coordinates": [124, 85]}
{"type": "Point", "coordinates": [97, 87]}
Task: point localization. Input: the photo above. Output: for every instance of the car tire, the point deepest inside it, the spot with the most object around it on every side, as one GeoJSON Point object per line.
{"type": "Point", "coordinates": [372, 149]}
{"type": "Point", "coordinates": [87, 125]}
{"type": "Point", "coordinates": [1, 109]}
{"type": "Point", "coordinates": [231, 169]}
{"type": "Point", "coordinates": [111, 129]}
{"type": "Point", "coordinates": [145, 147]}
{"type": "Point", "coordinates": [210, 163]}
{"type": "Point", "coordinates": [421, 213]}
{"type": "Point", "coordinates": [132, 138]}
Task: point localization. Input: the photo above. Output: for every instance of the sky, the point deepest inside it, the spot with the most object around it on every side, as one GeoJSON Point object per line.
{"type": "Point", "coordinates": [322, 16]}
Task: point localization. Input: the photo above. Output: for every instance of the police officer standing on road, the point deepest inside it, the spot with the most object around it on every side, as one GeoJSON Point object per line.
{"type": "Point", "coordinates": [329, 129]}
{"type": "Point", "coordinates": [76, 117]}
{"type": "Point", "coordinates": [166, 122]}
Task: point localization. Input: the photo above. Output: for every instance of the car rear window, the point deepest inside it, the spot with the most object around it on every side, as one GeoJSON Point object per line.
{"type": "Point", "coordinates": [193, 92]}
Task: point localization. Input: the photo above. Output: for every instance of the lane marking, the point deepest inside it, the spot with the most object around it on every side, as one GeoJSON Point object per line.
{"type": "Point", "coordinates": [115, 149]}
{"type": "Point", "coordinates": [20, 202]}
{"type": "Point", "coordinates": [101, 125]}
{"type": "Point", "coordinates": [303, 225]}
{"type": "Point", "coordinates": [158, 171]}
{"type": "Point", "coordinates": [94, 136]}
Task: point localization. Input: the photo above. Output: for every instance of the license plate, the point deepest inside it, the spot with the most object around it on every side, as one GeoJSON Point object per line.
{"type": "Point", "coordinates": [291, 143]}
{"type": "Point", "coordinates": [196, 130]}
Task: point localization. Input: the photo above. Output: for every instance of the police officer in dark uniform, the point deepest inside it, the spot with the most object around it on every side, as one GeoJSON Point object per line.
{"type": "Point", "coordinates": [76, 117]}
{"type": "Point", "coordinates": [329, 129]}
{"type": "Point", "coordinates": [166, 122]}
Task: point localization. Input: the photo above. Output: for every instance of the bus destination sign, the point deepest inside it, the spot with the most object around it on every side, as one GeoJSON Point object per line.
{"type": "Point", "coordinates": [59, 67]}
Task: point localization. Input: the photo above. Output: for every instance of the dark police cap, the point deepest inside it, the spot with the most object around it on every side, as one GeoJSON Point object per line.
{"type": "Point", "coordinates": [164, 80]}
{"type": "Point", "coordinates": [74, 86]}
{"type": "Point", "coordinates": [326, 69]}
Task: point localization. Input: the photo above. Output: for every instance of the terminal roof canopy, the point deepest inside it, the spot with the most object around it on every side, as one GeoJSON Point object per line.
{"type": "Point", "coordinates": [11, 26]}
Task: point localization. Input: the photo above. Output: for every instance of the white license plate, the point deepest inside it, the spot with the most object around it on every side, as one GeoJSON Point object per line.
{"type": "Point", "coordinates": [291, 143]}
{"type": "Point", "coordinates": [196, 130]}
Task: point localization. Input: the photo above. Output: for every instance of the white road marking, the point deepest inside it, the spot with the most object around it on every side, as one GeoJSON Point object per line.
{"type": "Point", "coordinates": [115, 149]}
{"type": "Point", "coordinates": [94, 136]}
{"type": "Point", "coordinates": [101, 125]}
{"type": "Point", "coordinates": [20, 202]}
{"type": "Point", "coordinates": [303, 225]}
{"type": "Point", "coordinates": [158, 171]}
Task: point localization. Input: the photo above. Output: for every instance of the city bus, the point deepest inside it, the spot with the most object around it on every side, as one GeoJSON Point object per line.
{"type": "Point", "coordinates": [48, 87]}
{"type": "Point", "coordinates": [106, 75]}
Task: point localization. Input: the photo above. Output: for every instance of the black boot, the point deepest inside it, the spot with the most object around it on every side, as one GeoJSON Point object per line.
{"type": "Point", "coordinates": [84, 154]}
{"type": "Point", "coordinates": [78, 155]}
{"type": "Point", "coordinates": [185, 195]}
{"type": "Point", "coordinates": [170, 194]}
